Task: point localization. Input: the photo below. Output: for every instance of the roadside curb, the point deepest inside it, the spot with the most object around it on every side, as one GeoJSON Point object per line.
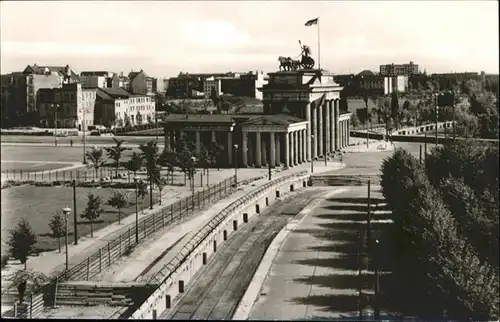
{"type": "Point", "coordinates": [251, 294]}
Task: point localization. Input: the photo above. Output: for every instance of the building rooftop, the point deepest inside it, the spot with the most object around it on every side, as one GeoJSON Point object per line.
{"type": "Point", "coordinates": [232, 118]}
{"type": "Point", "coordinates": [40, 70]}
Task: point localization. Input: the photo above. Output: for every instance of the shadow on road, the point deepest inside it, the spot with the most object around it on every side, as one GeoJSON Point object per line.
{"type": "Point", "coordinates": [343, 241]}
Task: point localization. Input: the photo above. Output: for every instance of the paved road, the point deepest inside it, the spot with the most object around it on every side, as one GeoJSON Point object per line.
{"type": "Point", "coordinates": [218, 288]}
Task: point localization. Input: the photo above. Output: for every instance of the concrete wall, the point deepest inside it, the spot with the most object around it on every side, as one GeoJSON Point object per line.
{"type": "Point", "coordinates": [168, 292]}
{"type": "Point", "coordinates": [423, 128]}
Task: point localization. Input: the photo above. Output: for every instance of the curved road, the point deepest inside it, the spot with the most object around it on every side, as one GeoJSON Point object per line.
{"type": "Point", "coordinates": [217, 289]}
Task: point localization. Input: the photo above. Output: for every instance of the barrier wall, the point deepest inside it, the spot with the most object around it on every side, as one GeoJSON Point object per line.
{"type": "Point", "coordinates": [219, 229]}
{"type": "Point", "coordinates": [423, 128]}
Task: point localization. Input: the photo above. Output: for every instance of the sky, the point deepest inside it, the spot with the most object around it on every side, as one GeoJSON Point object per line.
{"type": "Point", "coordinates": [166, 37]}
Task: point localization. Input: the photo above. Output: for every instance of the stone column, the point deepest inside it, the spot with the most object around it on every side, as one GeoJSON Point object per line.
{"type": "Point", "coordinates": [230, 149]}
{"type": "Point", "coordinates": [244, 149]}
{"type": "Point", "coordinates": [287, 150]}
{"type": "Point", "coordinates": [198, 143]}
{"type": "Point", "coordinates": [327, 128]}
{"type": "Point", "coordinates": [314, 131]}
{"type": "Point", "coordinates": [308, 132]}
{"type": "Point", "coordinates": [343, 134]}
{"type": "Point", "coordinates": [299, 146]}
{"type": "Point", "coordinates": [348, 132]}
{"type": "Point", "coordinates": [278, 148]}
{"type": "Point", "coordinates": [332, 126]}
{"type": "Point", "coordinates": [337, 125]}
{"type": "Point", "coordinates": [295, 148]}
{"type": "Point", "coordinates": [272, 149]}
{"type": "Point", "coordinates": [304, 146]}
{"type": "Point", "coordinates": [213, 137]}
{"type": "Point", "coordinates": [258, 150]}
{"type": "Point", "coordinates": [320, 131]}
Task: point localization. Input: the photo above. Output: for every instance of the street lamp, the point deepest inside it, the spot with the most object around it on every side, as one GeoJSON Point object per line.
{"type": "Point", "coordinates": [75, 224]}
{"type": "Point", "coordinates": [376, 311]}
{"type": "Point", "coordinates": [66, 211]}
{"type": "Point", "coordinates": [55, 107]}
{"type": "Point", "coordinates": [84, 138]}
{"type": "Point", "coordinates": [235, 164]}
{"type": "Point", "coordinates": [193, 163]}
{"type": "Point", "coordinates": [312, 159]}
{"type": "Point", "coordinates": [136, 181]}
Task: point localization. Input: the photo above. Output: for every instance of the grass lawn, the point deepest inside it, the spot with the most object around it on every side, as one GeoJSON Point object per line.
{"type": "Point", "coordinates": [32, 166]}
{"type": "Point", "coordinates": [38, 204]}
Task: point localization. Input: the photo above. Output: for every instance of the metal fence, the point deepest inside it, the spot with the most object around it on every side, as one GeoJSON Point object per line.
{"type": "Point", "coordinates": [175, 263]}
{"type": "Point", "coordinates": [120, 246]}
{"type": "Point", "coordinates": [108, 174]}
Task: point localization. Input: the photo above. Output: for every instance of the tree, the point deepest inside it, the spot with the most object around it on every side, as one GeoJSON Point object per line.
{"type": "Point", "coordinates": [149, 118]}
{"type": "Point", "coordinates": [217, 154]}
{"type": "Point", "coordinates": [214, 97]}
{"type": "Point", "coordinates": [21, 241]}
{"type": "Point", "coordinates": [205, 160]}
{"type": "Point", "coordinates": [138, 118]}
{"type": "Point", "coordinates": [116, 152]}
{"type": "Point", "coordinates": [127, 121]}
{"type": "Point", "coordinates": [134, 164]}
{"type": "Point", "coordinates": [150, 156]}
{"type": "Point", "coordinates": [21, 278]}
{"type": "Point", "coordinates": [119, 200]}
{"type": "Point", "coordinates": [354, 120]}
{"type": "Point", "coordinates": [160, 182]}
{"type": "Point", "coordinates": [362, 114]}
{"type": "Point", "coordinates": [395, 108]}
{"type": "Point", "coordinates": [168, 159]}
{"type": "Point", "coordinates": [142, 192]}
{"type": "Point", "coordinates": [406, 105]}
{"type": "Point", "coordinates": [95, 156]}
{"type": "Point", "coordinates": [93, 210]}
{"type": "Point", "coordinates": [58, 228]}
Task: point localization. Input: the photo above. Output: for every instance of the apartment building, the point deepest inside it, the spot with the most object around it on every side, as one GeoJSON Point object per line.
{"type": "Point", "coordinates": [69, 106]}
{"type": "Point", "coordinates": [120, 81]}
{"type": "Point", "coordinates": [19, 91]}
{"type": "Point", "coordinates": [378, 84]}
{"type": "Point", "coordinates": [399, 69]}
{"type": "Point", "coordinates": [141, 83]}
{"type": "Point", "coordinates": [100, 79]}
{"type": "Point", "coordinates": [120, 108]}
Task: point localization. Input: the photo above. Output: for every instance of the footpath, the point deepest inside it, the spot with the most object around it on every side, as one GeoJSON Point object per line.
{"type": "Point", "coordinates": [51, 263]}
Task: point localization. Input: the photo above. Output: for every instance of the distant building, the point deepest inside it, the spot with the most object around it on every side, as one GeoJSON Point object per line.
{"type": "Point", "coordinates": [378, 84]}
{"type": "Point", "coordinates": [100, 79]}
{"type": "Point", "coordinates": [399, 69]}
{"type": "Point", "coordinates": [120, 81]}
{"type": "Point", "coordinates": [19, 91]}
{"type": "Point", "coordinates": [68, 107]}
{"type": "Point", "coordinates": [212, 84]}
{"type": "Point", "coordinates": [118, 107]}
{"type": "Point", "coordinates": [141, 83]}
{"type": "Point", "coordinates": [244, 84]}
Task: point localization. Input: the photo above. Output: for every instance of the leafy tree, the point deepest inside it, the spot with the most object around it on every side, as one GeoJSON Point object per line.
{"type": "Point", "coordinates": [406, 105]}
{"type": "Point", "coordinates": [205, 160]}
{"type": "Point", "coordinates": [138, 118]}
{"type": "Point", "coordinates": [134, 164]}
{"type": "Point", "coordinates": [116, 152]}
{"type": "Point", "coordinates": [142, 192]}
{"type": "Point", "coordinates": [95, 155]}
{"type": "Point", "coordinates": [119, 122]}
{"type": "Point", "coordinates": [149, 118]}
{"type": "Point", "coordinates": [93, 210]}
{"type": "Point", "coordinates": [160, 182]}
{"type": "Point", "coordinates": [168, 159]}
{"type": "Point", "coordinates": [21, 241]}
{"type": "Point", "coordinates": [58, 228]}
{"type": "Point", "coordinates": [354, 120]}
{"type": "Point", "coordinates": [119, 200]}
{"type": "Point", "coordinates": [362, 114]}
{"type": "Point", "coordinates": [21, 278]}
{"type": "Point", "coordinates": [217, 154]}
{"type": "Point", "coordinates": [214, 97]}
{"type": "Point", "coordinates": [127, 121]}
{"type": "Point", "coordinates": [395, 108]}
{"type": "Point", "coordinates": [150, 156]}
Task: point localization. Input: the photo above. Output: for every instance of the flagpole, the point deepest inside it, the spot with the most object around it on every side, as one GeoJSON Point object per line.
{"type": "Point", "coordinates": [319, 48]}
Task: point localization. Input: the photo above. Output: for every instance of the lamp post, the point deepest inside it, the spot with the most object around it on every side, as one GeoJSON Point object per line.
{"type": "Point", "coordinates": [193, 167]}
{"type": "Point", "coordinates": [66, 212]}
{"type": "Point", "coordinates": [84, 138]}
{"type": "Point", "coordinates": [235, 164]}
{"type": "Point", "coordinates": [136, 181]}
{"type": "Point", "coordinates": [312, 159]}
{"type": "Point", "coordinates": [436, 95]}
{"type": "Point", "coordinates": [75, 225]}
{"type": "Point", "coordinates": [376, 311]}
{"type": "Point", "coordinates": [55, 107]}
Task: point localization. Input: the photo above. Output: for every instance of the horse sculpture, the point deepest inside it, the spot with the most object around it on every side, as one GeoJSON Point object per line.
{"type": "Point", "coordinates": [306, 62]}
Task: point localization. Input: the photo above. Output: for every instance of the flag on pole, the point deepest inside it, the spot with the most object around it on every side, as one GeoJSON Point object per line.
{"type": "Point", "coordinates": [312, 22]}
